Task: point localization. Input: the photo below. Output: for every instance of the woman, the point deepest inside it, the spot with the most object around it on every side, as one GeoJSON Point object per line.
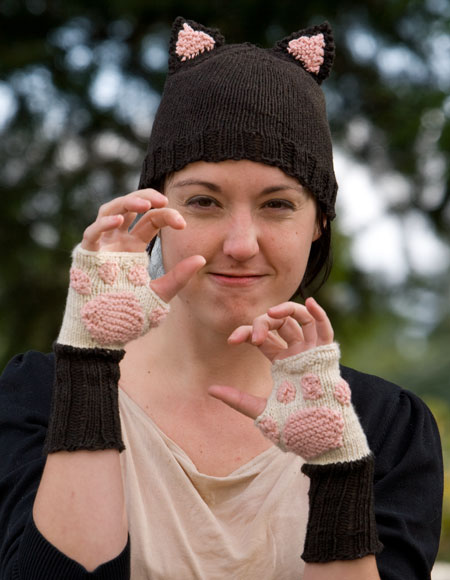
{"type": "Point", "coordinates": [160, 474]}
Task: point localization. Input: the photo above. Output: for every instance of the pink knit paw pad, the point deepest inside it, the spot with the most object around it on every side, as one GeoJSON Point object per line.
{"type": "Point", "coordinates": [342, 392]}
{"type": "Point", "coordinates": [80, 281]}
{"type": "Point", "coordinates": [309, 50]}
{"type": "Point", "coordinates": [192, 42]}
{"type": "Point", "coordinates": [108, 272]}
{"type": "Point", "coordinates": [311, 387]}
{"type": "Point", "coordinates": [156, 316]}
{"type": "Point", "coordinates": [138, 276]}
{"type": "Point", "coordinates": [286, 392]}
{"type": "Point", "coordinates": [113, 318]}
{"type": "Point", "coordinates": [269, 428]}
{"type": "Point", "coordinates": [310, 432]}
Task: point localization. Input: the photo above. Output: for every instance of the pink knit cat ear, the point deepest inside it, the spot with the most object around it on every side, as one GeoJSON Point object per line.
{"type": "Point", "coordinates": [312, 48]}
{"type": "Point", "coordinates": [189, 41]}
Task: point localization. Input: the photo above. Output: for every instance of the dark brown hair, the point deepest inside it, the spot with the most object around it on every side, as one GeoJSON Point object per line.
{"type": "Point", "coordinates": [320, 259]}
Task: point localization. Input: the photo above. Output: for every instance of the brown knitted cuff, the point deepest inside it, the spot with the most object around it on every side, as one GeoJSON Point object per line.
{"type": "Point", "coordinates": [85, 405]}
{"type": "Point", "coordinates": [341, 524]}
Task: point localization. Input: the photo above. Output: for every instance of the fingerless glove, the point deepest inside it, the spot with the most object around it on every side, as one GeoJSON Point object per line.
{"type": "Point", "coordinates": [309, 412]}
{"type": "Point", "coordinates": [109, 303]}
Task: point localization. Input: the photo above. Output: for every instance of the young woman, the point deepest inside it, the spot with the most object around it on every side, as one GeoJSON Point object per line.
{"type": "Point", "coordinates": [148, 463]}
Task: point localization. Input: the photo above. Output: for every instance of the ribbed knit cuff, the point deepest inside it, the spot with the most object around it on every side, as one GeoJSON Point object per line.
{"type": "Point", "coordinates": [341, 524]}
{"type": "Point", "coordinates": [40, 560]}
{"type": "Point", "coordinates": [85, 406]}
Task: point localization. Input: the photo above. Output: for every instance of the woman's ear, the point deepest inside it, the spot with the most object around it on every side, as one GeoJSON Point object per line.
{"type": "Point", "coordinates": [320, 226]}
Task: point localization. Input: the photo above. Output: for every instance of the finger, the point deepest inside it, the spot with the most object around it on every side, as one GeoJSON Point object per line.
{"type": "Point", "coordinates": [245, 334]}
{"type": "Point", "coordinates": [124, 205]}
{"type": "Point", "coordinates": [93, 233]}
{"type": "Point", "coordinates": [262, 325]}
{"type": "Point", "coordinates": [241, 334]}
{"type": "Point", "coordinates": [245, 403]}
{"type": "Point", "coordinates": [302, 316]}
{"type": "Point", "coordinates": [270, 348]}
{"type": "Point", "coordinates": [325, 332]}
{"type": "Point", "coordinates": [149, 224]}
{"type": "Point", "coordinates": [137, 202]}
{"type": "Point", "coordinates": [128, 219]}
{"type": "Point", "coordinates": [291, 331]}
{"type": "Point", "coordinates": [171, 283]}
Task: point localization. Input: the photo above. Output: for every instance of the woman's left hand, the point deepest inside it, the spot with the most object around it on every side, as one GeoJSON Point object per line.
{"type": "Point", "coordinates": [298, 328]}
{"type": "Point", "coordinates": [285, 330]}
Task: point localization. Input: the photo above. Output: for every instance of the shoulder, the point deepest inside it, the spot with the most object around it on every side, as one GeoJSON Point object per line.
{"type": "Point", "coordinates": [408, 478]}
{"type": "Point", "coordinates": [26, 382]}
{"type": "Point", "coordinates": [386, 409]}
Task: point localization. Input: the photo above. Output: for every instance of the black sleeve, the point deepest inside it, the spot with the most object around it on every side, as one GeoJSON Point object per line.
{"type": "Point", "coordinates": [25, 394]}
{"type": "Point", "coordinates": [408, 479]}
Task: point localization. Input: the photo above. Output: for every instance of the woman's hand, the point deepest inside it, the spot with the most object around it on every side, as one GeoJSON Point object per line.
{"type": "Point", "coordinates": [298, 328]}
{"type": "Point", "coordinates": [112, 232]}
{"type": "Point", "coordinates": [285, 330]}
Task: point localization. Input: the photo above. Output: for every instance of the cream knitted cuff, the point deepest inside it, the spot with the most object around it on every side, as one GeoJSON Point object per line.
{"type": "Point", "coordinates": [110, 301]}
{"type": "Point", "coordinates": [309, 411]}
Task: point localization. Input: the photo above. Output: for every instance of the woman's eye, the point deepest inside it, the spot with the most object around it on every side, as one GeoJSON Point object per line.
{"type": "Point", "coordinates": [201, 201]}
{"type": "Point", "coordinates": [279, 204]}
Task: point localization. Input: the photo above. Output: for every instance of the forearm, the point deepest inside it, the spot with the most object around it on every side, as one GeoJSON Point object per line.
{"type": "Point", "coordinates": [343, 570]}
{"type": "Point", "coordinates": [80, 506]}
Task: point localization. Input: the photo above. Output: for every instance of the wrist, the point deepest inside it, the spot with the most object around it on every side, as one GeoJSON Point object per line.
{"type": "Point", "coordinates": [341, 522]}
{"type": "Point", "coordinates": [85, 407]}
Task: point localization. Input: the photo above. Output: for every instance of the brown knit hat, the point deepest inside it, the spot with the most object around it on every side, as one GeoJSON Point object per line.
{"type": "Point", "coordinates": [240, 101]}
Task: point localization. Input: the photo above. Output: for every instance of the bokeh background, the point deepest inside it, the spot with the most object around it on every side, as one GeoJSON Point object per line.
{"type": "Point", "coordinates": [80, 82]}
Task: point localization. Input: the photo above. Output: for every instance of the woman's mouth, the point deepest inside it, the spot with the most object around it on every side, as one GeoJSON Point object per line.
{"type": "Point", "coordinates": [240, 279]}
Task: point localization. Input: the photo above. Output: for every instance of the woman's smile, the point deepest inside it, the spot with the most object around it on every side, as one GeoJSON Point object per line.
{"type": "Point", "coordinates": [236, 279]}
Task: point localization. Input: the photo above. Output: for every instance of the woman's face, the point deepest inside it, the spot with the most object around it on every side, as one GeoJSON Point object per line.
{"type": "Point", "coordinates": [253, 224]}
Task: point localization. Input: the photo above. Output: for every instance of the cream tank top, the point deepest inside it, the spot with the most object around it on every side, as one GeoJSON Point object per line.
{"type": "Point", "coordinates": [185, 525]}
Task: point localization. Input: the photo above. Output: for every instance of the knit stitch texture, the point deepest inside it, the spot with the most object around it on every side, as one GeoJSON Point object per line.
{"type": "Point", "coordinates": [341, 523]}
{"type": "Point", "coordinates": [309, 411]}
{"type": "Point", "coordinates": [85, 407]}
{"type": "Point", "coordinates": [110, 301]}
{"type": "Point", "coordinates": [240, 101]}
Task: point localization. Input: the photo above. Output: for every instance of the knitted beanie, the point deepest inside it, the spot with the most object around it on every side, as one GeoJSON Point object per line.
{"type": "Point", "coordinates": [240, 101]}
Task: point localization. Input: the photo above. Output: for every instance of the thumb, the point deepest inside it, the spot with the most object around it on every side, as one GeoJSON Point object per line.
{"type": "Point", "coordinates": [171, 283]}
{"type": "Point", "coordinates": [243, 402]}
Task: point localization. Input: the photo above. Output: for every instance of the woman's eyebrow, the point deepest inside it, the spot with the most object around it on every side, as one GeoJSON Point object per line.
{"type": "Point", "coordinates": [283, 187]}
{"type": "Point", "coordinates": [207, 184]}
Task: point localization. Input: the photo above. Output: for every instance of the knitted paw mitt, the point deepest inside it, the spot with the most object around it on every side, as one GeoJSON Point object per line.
{"type": "Point", "coordinates": [110, 301]}
{"type": "Point", "coordinates": [309, 411]}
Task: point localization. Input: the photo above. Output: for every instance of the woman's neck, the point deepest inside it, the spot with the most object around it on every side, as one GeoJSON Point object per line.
{"type": "Point", "coordinates": [194, 356]}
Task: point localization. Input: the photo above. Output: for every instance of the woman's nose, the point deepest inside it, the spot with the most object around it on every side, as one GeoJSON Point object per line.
{"type": "Point", "coordinates": [241, 238]}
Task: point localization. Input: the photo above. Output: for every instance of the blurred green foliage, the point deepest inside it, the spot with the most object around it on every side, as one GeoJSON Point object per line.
{"type": "Point", "coordinates": [80, 82]}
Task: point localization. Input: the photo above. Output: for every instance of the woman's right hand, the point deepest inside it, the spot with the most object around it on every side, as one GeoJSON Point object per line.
{"type": "Point", "coordinates": [111, 233]}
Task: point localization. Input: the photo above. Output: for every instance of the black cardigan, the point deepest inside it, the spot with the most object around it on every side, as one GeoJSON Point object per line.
{"type": "Point", "coordinates": [401, 431]}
